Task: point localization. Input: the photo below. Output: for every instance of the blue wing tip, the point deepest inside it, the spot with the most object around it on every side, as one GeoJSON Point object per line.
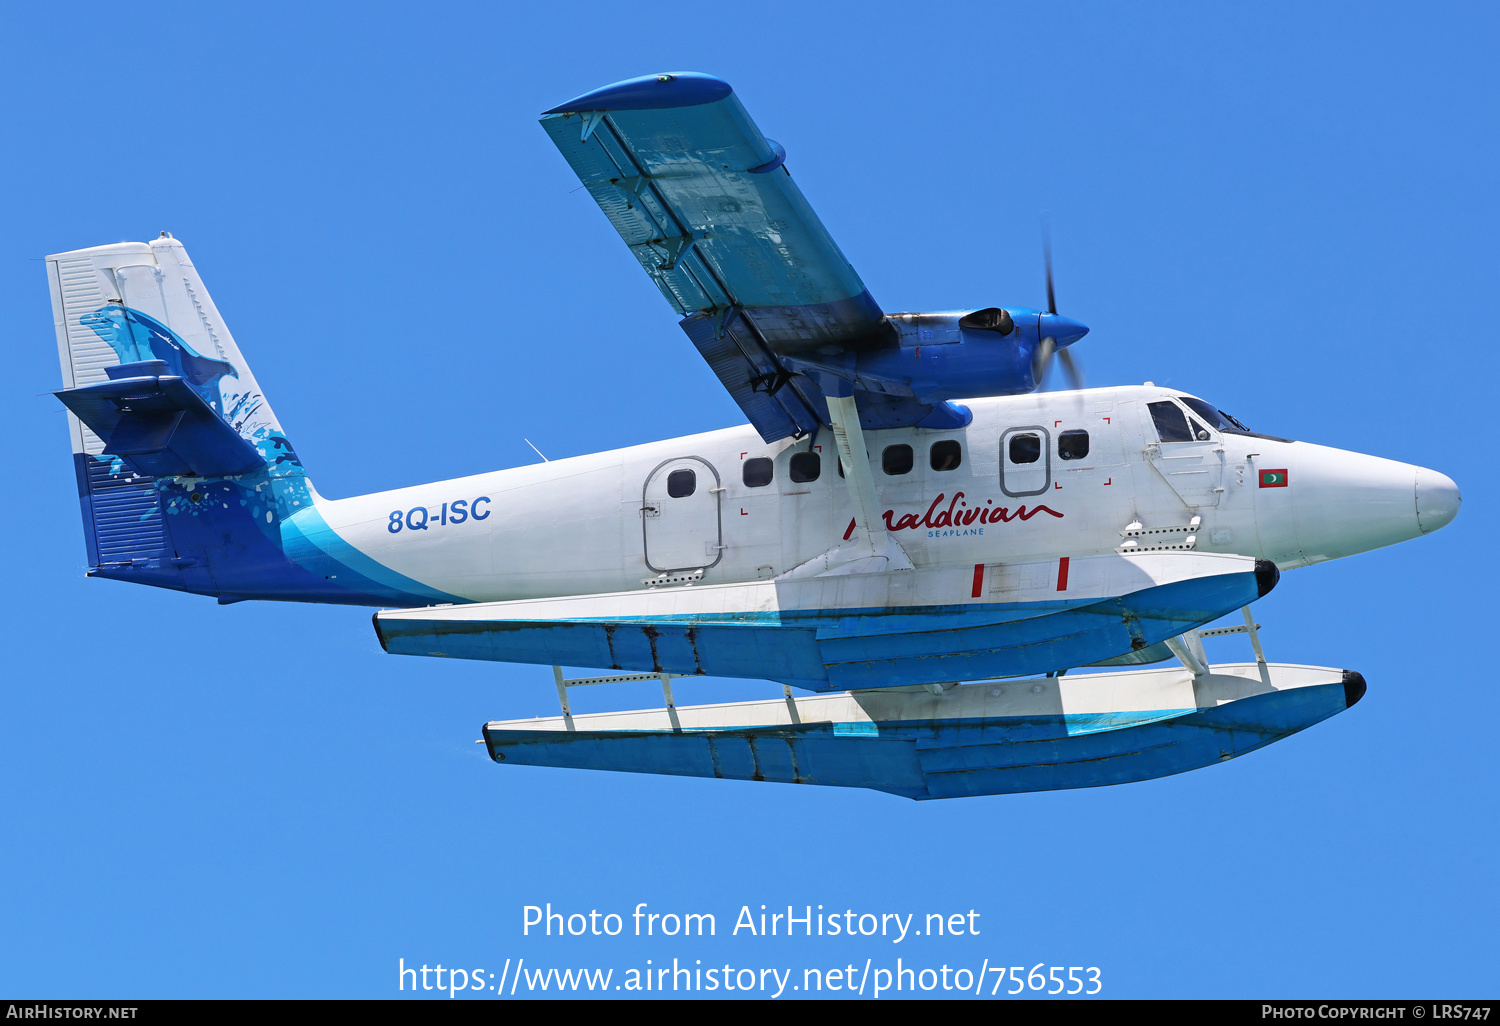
{"type": "Point", "coordinates": [650, 92]}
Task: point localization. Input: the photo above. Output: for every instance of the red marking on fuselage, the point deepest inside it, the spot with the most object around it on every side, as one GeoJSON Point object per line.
{"type": "Point", "coordinates": [978, 579]}
{"type": "Point", "coordinates": [742, 512]}
{"type": "Point", "coordinates": [1062, 574]}
{"type": "Point", "coordinates": [849, 533]}
{"type": "Point", "coordinates": [1110, 481]}
{"type": "Point", "coordinates": [1056, 484]}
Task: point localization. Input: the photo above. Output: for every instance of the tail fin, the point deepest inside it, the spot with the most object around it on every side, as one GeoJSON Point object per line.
{"type": "Point", "coordinates": [135, 302]}
{"type": "Point", "coordinates": [185, 477]}
{"type": "Point", "coordinates": [157, 389]}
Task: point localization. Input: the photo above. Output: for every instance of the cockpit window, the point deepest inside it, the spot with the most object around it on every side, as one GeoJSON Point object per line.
{"type": "Point", "coordinates": [1216, 418]}
{"type": "Point", "coordinates": [1171, 422]}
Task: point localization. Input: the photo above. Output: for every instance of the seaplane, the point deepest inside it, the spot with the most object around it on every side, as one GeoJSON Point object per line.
{"type": "Point", "coordinates": [954, 582]}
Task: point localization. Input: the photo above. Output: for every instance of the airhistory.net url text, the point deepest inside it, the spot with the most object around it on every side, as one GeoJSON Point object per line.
{"type": "Point", "coordinates": [849, 980]}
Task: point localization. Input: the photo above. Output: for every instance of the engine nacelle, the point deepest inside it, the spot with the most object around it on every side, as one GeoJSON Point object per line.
{"type": "Point", "coordinates": [942, 356]}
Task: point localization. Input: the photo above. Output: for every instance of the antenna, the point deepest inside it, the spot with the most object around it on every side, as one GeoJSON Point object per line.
{"type": "Point", "coordinates": [536, 450]}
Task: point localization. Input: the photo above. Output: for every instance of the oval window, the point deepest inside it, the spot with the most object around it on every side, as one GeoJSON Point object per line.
{"type": "Point", "coordinates": [1025, 448]}
{"type": "Point", "coordinates": [1073, 445]}
{"type": "Point", "coordinates": [804, 467]}
{"type": "Point", "coordinates": [681, 483]}
{"type": "Point", "coordinates": [757, 472]}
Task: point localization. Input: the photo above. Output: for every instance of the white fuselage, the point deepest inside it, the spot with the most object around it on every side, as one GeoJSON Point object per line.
{"type": "Point", "coordinates": [618, 521]}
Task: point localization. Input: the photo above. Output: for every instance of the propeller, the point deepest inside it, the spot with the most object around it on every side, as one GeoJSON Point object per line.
{"type": "Point", "coordinates": [1051, 326]}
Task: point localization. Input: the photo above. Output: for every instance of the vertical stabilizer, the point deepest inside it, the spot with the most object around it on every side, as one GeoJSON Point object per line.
{"type": "Point", "coordinates": [165, 418]}
{"type": "Point", "coordinates": [185, 478]}
{"type": "Point", "coordinates": [134, 302]}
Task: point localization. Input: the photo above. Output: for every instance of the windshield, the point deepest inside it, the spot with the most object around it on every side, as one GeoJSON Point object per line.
{"type": "Point", "coordinates": [1215, 418]}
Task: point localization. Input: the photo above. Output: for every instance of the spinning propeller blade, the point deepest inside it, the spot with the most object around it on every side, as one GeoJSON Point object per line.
{"type": "Point", "coordinates": [1047, 265]}
{"type": "Point", "coordinates": [1056, 331]}
{"type": "Point", "coordinates": [1041, 359]}
{"type": "Point", "coordinates": [1072, 369]}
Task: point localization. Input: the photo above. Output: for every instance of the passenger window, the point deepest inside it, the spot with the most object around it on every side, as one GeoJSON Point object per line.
{"type": "Point", "coordinates": [681, 483]}
{"type": "Point", "coordinates": [1073, 445]}
{"type": "Point", "coordinates": [946, 455]}
{"type": "Point", "coordinates": [1171, 422]}
{"type": "Point", "coordinates": [896, 460]}
{"type": "Point", "coordinates": [804, 467]}
{"type": "Point", "coordinates": [1025, 448]}
{"type": "Point", "coordinates": [757, 472]}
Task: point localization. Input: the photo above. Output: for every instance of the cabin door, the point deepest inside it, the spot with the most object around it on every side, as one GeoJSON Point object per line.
{"type": "Point", "coordinates": [680, 517]}
{"type": "Point", "coordinates": [1025, 461]}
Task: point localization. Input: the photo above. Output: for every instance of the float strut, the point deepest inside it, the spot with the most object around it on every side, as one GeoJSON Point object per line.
{"type": "Point", "coordinates": [791, 703]}
{"type": "Point", "coordinates": [562, 697]}
{"type": "Point", "coordinates": [666, 692]}
{"type": "Point", "coordinates": [1260, 655]}
{"type": "Point", "coordinates": [1188, 649]}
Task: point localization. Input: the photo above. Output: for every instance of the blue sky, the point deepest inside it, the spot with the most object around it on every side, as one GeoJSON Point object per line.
{"type": "Point", "coordinates": [1286, 208]}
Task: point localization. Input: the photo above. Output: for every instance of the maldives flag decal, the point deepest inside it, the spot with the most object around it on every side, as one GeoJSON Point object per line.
{"type": "Point", "coordinates": [1273, 478]}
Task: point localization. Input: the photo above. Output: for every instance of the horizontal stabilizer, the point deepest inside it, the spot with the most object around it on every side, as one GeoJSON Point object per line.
{"type": "Point", "coordinates": [989, 737]}
{"type": "Point", "coordinates": [159, 425]}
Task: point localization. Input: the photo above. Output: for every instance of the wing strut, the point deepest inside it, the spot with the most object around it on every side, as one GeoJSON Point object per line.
{"type": "Point", "coordinates": [859, 476]}
{"type": "Point", "coordinates": [870, 549]}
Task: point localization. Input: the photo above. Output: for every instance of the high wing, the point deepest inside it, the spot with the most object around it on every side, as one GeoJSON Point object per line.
{"type": "Point", "coordinates": [707, 206]}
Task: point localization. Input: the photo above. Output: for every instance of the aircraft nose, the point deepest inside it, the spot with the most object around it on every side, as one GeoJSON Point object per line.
{"type": "Point", "coordinates": [1437, 500]}
{"type": "Point", "coordinates": [1064, 329]}
{"type": "Point", "coordinates": [1345, 502]}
